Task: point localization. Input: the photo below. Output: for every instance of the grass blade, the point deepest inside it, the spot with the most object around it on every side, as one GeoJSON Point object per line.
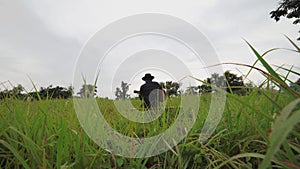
{"type": "Point", "coordinates": [282, 126]}
{"type": "Point", "coordinates": [35, 89]}
{"type": "Point", "coordinates": [236, 98]}
{"type": "Point", "coordinates": [288, 70]}
{"type": "Point", "coordinates": [294, 44]}
{"type": "Point", "coordinates": [60, 143]}
{"type": "Point", "coordinates": [268, 51]}
{"type": "Point", "coordinates": [280, 83]}
{"type": "Point", "coordinates": [265, 64]}
{"type": "Point", "coordinates": [244, 155]}
{"type": "Point", "coordinates": [16, 154]}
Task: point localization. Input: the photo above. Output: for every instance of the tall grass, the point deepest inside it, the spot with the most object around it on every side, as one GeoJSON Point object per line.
{"type": "Point", "coordinates": [260, 129]}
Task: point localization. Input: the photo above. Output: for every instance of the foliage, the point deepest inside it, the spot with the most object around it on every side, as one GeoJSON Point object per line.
{"type": "Point", "coordinates": [192, 90]}
{"type": "Point", "coordinates": [49, 92]}
{"type": "Point", "coordinates": [54, 92]}
{"type": "Point", "coordinates": [171, 88]}
{"type": "Point", "coordinates": [215, 80]}
{"type": "Point", "coordinates": [15, 92]}
{"type": "Point", "coordinates": [232, 83]}
{"type": "Point", "coordinates": [205, 87]}
{"type": "Point", "coordinates": [233, 80]}
{"type": "Point", "coordinates": [289, 9]}
{"type": "Point", "coordinates": [87, 91]}
{"type": "Point", "coordinates": [218, 80]}
{"type": "Point", "coordinates": [121, 93]}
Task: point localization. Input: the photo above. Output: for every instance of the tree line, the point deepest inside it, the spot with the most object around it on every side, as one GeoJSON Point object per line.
{"type": "Point", "coordinates": [50, 92]}
{"type": "Point", "coordinates": [43, 93]}
{"type": "Point", "coordinates": [230, 82]}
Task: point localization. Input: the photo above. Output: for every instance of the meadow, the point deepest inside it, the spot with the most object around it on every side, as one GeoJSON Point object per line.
{"type": "Point", "coordinates": [258, 130]}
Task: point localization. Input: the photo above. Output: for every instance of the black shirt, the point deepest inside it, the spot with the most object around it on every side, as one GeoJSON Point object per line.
{"type": "Point", "coordinates": [146, 89]}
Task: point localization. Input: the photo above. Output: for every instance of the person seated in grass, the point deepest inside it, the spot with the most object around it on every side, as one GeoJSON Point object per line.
{"type": "Point", "coordinates": [151, 92]}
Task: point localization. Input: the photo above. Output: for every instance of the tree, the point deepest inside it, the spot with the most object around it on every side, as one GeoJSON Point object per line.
{"type": "Point", "coordinates": [121, 93]}
{"type": "Point", "coordinates": [218, 81]}
{"type": "Point", "coordinates": [51, 92]}
{"type": "Point", "coordinates": [171, 88]}
{"type": "Point", "coordinates": [205, 87]}
{"type": "Point", "coordinates": [289, 9]}
{"type": "Point", "coordinates": [71, 90]}
{"type": "Point", "coordinates": [228, 81]}
{"type": "Point", "coordinates": [61, 92]}
{"type": "Point", "coordinates": [87, 91]}
{"type": "Point", "coordinates": [215, 80]}
{"type": "Point", "coordinates": [192, 90]}
{"type": "Point", "coordinates": [234, 82]}
{"type": "Point", "coordinates": [17, 91]}
{"type": "Point", "coordinates": [4, 94]}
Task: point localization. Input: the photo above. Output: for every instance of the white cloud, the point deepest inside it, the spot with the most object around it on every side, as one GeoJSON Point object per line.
{"type": "Point", "coordinates": [42, 39]}
{"type": "Point", "coordinates": [29, 48]}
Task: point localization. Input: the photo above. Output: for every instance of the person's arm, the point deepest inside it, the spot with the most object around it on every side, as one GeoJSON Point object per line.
{"type": "Point", "coordinates": [141, 93]}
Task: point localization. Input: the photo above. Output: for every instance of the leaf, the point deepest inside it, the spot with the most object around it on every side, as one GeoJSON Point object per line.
{"type": "Point", "coordinates": [268, 51]}
{"type": "Point", "coordinates": [288, 70]}
{"type": "Point", "coordinates": [265, 64]}
{"type": "Point", "coordinates": [16, 154]}
{"type": "Point", "coordinates": [60, 145]}
{"type": "Point", "coordinates": [294, 44]}
{"type": "Point", "coordinates": [244, 155]}
{"type": "Point", "coordinates": [282, 126]}
{"type": "Point", "coordinates": [120, 162]}
{"type": "Point", "coordinates": [279, 82]}
{"type": "Point", "coordinates": [35, 89]}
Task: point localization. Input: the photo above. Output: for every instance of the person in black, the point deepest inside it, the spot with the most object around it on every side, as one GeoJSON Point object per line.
{"type": "Point", "coordinates": [151, 92]}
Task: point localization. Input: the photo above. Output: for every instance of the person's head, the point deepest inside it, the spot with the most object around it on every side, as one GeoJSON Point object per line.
{"type": "Point", "coordinates": [148, 77]}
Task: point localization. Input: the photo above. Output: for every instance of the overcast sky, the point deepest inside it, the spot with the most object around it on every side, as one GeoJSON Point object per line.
{"type": "Point", "coordinates": [43, 39]}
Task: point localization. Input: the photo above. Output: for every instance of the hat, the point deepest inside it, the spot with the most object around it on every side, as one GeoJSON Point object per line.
{"type": "Point", "coordinates": [148, 76]}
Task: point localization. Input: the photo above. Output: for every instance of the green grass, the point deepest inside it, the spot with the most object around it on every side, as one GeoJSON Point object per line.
{"type": "Point", "coordinates": [47, 134]}
{"type": "Point", "coordinates": [258, 130]}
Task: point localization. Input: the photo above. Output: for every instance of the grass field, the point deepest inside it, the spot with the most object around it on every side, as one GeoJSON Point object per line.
{"type": "Point", "coordinates": [47, 134]}
{"type": "Point", "coordinates": [260, 129]}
